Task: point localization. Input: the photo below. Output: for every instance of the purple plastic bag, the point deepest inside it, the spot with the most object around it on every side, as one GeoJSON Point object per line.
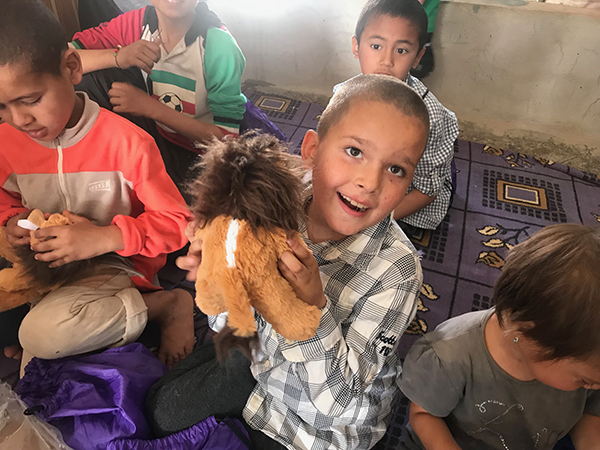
{"type": "Point", "coordinates": [206, 435]}
{"type": "Point", "coordinates": [256, 119]}
{"type": "Point", "coordinates": [93, 399]}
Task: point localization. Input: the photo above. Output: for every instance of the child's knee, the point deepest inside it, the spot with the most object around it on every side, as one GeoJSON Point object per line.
{"type": "Point", "coordinates": [69, 322]}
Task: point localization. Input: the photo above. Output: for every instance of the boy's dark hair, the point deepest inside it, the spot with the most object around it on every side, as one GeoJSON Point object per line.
{"type": "Point", "coordinates": [30, 33]}
{"type": "Point", "coordinates": [550, 289]}
{"type": "Point", "coordinates": [410, 10]}
{"type": "Point", "coordinates": [377, 88]}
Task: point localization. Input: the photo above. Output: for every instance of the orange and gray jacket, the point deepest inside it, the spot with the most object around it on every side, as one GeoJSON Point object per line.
{"type": "Point", "coordinates": [105, 169]}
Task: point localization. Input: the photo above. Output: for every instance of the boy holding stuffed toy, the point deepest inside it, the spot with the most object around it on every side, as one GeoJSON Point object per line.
{"type": "Point", "coordinates": [334, 390]}
{"type": "Point", "coordinates": [62, 153]}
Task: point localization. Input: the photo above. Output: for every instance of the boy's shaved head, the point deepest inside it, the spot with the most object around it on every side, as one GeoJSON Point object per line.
{"type": "Point", "coordinates": [410, 10]}
{"type": "Point", "coordinates": [30, 33]}
{"type": "Point", "coordinates": [376, 88]}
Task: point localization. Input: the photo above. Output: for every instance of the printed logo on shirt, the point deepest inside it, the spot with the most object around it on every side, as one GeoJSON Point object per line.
{"type": "Point", "coordinates": [390, 341]}
{"type": "Point", "coordinates": [174, 90]}
{"type": "Point", "coordinates": [103, 185]}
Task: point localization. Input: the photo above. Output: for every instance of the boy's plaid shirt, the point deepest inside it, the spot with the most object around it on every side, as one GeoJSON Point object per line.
{"type": "Point", "coordinates": [335, 391]}
{"type": "Point", "coordinates": [433, 173]}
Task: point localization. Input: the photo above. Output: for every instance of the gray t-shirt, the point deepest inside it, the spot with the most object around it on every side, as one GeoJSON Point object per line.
{"type": "Point", "coordinates": [451, 374]}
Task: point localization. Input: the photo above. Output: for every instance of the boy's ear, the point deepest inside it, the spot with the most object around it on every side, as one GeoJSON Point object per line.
{"type": "Point", "coordinates": [355, 47]}
{"type": "Point", "coordinates": [72, 66]}
{"type": "Point", "coordinates": [418, 58]}
{"type": "Point", "coordinates": [309, 147]}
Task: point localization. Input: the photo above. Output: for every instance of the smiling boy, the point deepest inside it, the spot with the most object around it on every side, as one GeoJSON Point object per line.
{"type": "Point", "coordinates": [335, 390]}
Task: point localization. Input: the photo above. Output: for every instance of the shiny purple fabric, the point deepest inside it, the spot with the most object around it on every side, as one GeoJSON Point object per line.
{"type": "Point", "coordinates": [256, 119]}
{"type": "Point", "coordinates": [94, 399]}
{"type": "Point", "coordinates": [206, 435]}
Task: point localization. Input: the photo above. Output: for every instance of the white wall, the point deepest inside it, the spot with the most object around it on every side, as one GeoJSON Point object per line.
{"type": "Point", "coordinates": [294, 44]}
{"type": "Point", "coordinates": [504, 66]}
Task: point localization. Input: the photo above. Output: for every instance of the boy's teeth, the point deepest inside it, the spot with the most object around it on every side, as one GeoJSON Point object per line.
{"type": "Point", "coordinates": [355, 204]}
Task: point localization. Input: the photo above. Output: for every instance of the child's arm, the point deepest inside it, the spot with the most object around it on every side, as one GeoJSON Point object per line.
{"type": "Point", "coordinates": [431, 172]}
{"type": "Point", "coordinates": [160, 228]}
{"type": "Point", "coordinates": [11, 210]}
{"type": "Point", "coordinates": [96, 46]}
{"type": "Point", "coordinates": [224, 65]}
{"type": "Point", "coordinates": [142, 54]}
{"type": "Point", "coordinates": [15, 235]}
{"type": "Point", "coordinates": [414, 201]}
{"type": "Point", "coordinates": [75, 242]}
{"type": "Point", "coordinates": [335, 367]}
{"type": "Point", "coordinates": [586, 433]}
{"type": "Point", "coordinates": [126, 98]}
{"type": "Point", "coordinates": [431, 430]}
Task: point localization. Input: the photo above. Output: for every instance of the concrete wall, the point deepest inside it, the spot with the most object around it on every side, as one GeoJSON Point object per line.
{"type": "Point", "coordinates": [510, 70]}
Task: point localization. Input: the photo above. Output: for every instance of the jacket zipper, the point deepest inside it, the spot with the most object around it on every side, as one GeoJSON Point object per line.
{"type": "Point", "coordinates": [61, 176]}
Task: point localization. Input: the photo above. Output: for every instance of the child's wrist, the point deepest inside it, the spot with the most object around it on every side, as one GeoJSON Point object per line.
{"type": "Point", "coordinates": [115, 56]}
{"type": "Point", "coordinates": [113, 239]}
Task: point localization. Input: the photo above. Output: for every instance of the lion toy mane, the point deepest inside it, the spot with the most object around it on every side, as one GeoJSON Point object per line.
{"type": "Point", "coordinates": [23, 278]}
{"type": "Point", "coordinates": [249, 200]}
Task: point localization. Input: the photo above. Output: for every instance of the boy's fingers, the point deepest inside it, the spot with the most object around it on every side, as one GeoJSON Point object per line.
{"type": "Point", "coordinates": [47, 256]}
{"type": "Point", "coordinates": [195, 249]}
{"type": "Point", "coordinates": [149, 55]}
{"type": "Point", "coordinates": [189, 263]}
{"type": "Point", "coordinates": [190, 231]}
{"type": "Point", "coordinates": [43, 247]}
{"type": "Point", "coordinates": [286, 272]}
{"type": "Point", "coordinates": [51, 232]}
{"type": "Point", "coordinates": [144, 63]}
{"type": "Point", "coordinates": [301, 251]}
{"type": "Point", "coordinates": [59, 262]}
{"type": "Point", "coordinates": [74, 218]}
{"type": "Point", "coordinates": [293, 264]}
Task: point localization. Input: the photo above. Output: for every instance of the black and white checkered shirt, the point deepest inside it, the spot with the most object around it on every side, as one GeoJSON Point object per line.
{"type": "Point", "coordinates": [432, 175]}
{"type": "Point", "coordinates": [335, 391]}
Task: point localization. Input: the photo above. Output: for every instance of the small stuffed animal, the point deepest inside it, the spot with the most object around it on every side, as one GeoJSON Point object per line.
{"type": "Point", "coordinates": [29, 279]}
{"type": "Point", "coordinates": [248, 203]}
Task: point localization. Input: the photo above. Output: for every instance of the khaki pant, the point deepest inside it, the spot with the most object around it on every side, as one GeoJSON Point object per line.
{"type": "Point", "coordinates": [104, 310]}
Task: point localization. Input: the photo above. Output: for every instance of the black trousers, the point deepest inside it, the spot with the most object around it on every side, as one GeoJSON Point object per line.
{"type": "Point", "coordinates": [199, 387]}
{"type": "Point", "coordinates": [10, 321]}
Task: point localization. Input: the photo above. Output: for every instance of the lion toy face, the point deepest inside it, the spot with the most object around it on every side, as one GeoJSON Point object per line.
{"type": "Point", "coordinates": [249, 201]}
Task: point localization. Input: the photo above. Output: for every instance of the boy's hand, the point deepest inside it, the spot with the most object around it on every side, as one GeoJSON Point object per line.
{"type": "Point", "coordinates": [192, 260]}
{"type": "Point", "coordinates": [16, 235]}
{"type": "Point", "coordinates": [80, 240]}
{"type": "Point", "coordinates": [126, 98]}
{"type": "Point", "coordinates": [301, 270]}
{"type": "Point", "coordinates": [142, 54]}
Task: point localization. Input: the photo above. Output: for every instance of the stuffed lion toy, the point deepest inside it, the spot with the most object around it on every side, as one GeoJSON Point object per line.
{"type": "Point", "coordinates": [25, 279]}
{"type": "Point", "coordinates": [249, 200]}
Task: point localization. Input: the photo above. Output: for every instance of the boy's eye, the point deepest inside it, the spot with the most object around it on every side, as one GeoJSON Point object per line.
{"type": "Point", "coordinates": [375, 46]}
{"type": "Point", "coordinates": [401, 50]}
{"type": "Point", "coordinates": [33, 102]}
{"type": "Point", "coordinates": [396, 170]}
{"type": "Point", "coordinates": [354, 152]}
